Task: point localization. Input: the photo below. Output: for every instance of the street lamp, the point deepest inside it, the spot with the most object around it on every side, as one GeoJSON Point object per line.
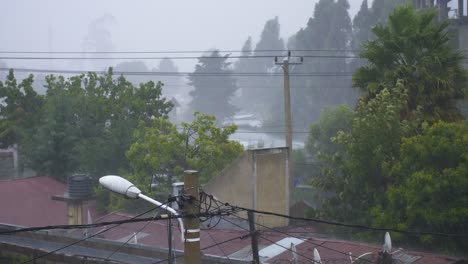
{"type": "Point", "coordinates": [123, 187]}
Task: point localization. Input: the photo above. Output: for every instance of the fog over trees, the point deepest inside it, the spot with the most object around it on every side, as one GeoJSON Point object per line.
{"type": "Point", "coordinates": [376, 91]}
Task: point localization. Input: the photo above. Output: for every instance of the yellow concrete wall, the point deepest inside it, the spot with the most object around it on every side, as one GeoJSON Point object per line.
{"type": "Point", "coordinates": [258, 179]}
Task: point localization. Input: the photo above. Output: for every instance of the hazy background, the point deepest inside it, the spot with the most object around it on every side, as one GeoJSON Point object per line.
{"type": "Point", "coordinates": [53, 25]}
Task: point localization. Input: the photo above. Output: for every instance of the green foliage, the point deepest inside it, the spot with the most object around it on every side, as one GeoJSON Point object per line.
{"type": "Point", "coordinates": [82, 124]}
{"type": "Point", "coordinates": [163, 151]}
{"type": "Point", "coordinates": [19, 114]}
{"type": "Point", "coordinates": [392, 168]}
{"type": "Point", "coordinates": [328, 29]}
{"type": "Point", "coordinates": [331, 122]}
{"type": "Point", "coordinates": [432, 188]}
{"type": "Point", "coordinates": [369, 148]}
{"type": "Point", "coordinates": [212, 94]}
{"type": "Point", "coordinates": [414, 48]}
{"type": "Point", "coordinates": [321, 147]}
{"type": "Point", "coordinates": [18, 110]}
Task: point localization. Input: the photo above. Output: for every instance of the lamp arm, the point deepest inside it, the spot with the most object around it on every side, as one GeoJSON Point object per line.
{"type": "Point", "coordinates": [167, 208]}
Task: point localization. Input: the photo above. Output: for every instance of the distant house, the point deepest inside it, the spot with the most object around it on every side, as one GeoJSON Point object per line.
{"type": "Point", "coordinates": [28, 202]}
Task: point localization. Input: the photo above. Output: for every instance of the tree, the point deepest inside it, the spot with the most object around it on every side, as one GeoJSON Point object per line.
{"type": "Point", "coordinates": [431, 193]}
{"type": "Point", "coordinates": [321, 145]}
{"type": "Point", "coordinates": [88, 121]}
{"type": "Point", "coordinates": [18, 111]}
{"type": "Point", "coordinates": [362, 25]}
{"type": "Point", "coordinates": [3, 72]}
{"type": "Point", "coordinates": [172, 83]}
{"type": "Point", "coordinates": [258, 92]}
{"type": "Point", "coordinates": [163, 151]}
{"type": "Point", "coordinates": [328, 29]}
{"type": "Point", "coordinates": [332, 121]}
{"type": "Point", "coordinates": [414, 48]}
{"type": "Point", "coordinates": [369, 148]}
{"type": "Point", "coordinates": [213, 86]}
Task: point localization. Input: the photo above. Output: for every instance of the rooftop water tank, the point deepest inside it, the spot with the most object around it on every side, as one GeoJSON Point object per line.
{"type": "Point", "coordinates": [80, 186]}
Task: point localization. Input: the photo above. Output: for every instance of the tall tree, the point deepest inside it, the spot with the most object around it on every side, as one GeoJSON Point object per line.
{"type": "Point", "coordinates": [258, 92]}
{"type": "Point", "coordinates": [3, 73]}
{"type": "Point", "coordinates": [172, 84]}
{"type": "Point", "coordinates": [133, 66]}
{"type": "Point", "coordinates": [329, 29]}
{"type": "Point", "coordinates": [213, 86]}
{"type": "Point", "coordinates": [413, 48]}
{"type": "Point", "coordinates": [20, 112]}
{"type": "Point", "coordinates": [368, 17]}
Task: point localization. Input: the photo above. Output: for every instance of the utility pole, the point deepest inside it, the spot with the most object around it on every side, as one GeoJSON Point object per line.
{"type": "Point", "coordinates": [254, 238]}
{"type": "Point", "coordinates": [192, 254]}
{"type": "Point", "coordinates": [287, 97]}
{"type": "Point", "coordinates": [169, 238]}
{"type": "Point", "coordinates": [287, 110]}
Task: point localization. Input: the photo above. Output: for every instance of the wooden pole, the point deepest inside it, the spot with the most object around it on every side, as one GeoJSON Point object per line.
{"type": "Point", "coordinates": [192, 254]}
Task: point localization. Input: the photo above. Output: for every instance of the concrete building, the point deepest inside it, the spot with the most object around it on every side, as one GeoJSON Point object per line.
{"type": "Point", "coordinates": [258, 179]}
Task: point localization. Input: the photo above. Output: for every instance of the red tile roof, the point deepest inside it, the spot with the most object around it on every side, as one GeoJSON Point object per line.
{"type": "Point", "coordinates": [331, 251]}
{"type": "Point", "coordinates": [28, 202]}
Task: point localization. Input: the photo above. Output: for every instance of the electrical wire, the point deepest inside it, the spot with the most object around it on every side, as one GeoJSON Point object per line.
{"type": "Point", "coordinates": [178, 57]}
{"type": "Point", "coordinates": [130, 238]}
{"type": "Point", "coordinates": [211, 246]}
{"type": "Point", "coordinates": [120, 222]}
{"type": "Point", "coordinates": [334, 223]}
{"type": "Point", "coordinates": [348, 254]}
{"type": "Point", "coordinates": [364, 227]}
{"type": "Point", "coordinates": [219, 246]}
{"type": "Point", "coordinates": [271, 241]}
{"type": "Point", "coordinates": [174, 74]}
{"type": "Point", "coordinates": [86, 238]}
{"type": "Point", "coordinates": [178, 51]}
{"type": "Point", "coordinates": [184, 51]}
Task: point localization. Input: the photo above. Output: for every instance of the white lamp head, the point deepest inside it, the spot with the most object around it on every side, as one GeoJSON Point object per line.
{"type": "Point", "coordinates": [120, 185]}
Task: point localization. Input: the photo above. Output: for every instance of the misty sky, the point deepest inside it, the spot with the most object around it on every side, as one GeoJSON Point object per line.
{"type": "Point", "coordinates": [144, 25]}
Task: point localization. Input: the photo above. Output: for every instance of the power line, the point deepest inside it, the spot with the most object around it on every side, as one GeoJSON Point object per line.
{"type": "Point", "coordinates": [173, 57]}
{"type": "Point", "coordinates": [306, 240]}
{"type": "Point", "coordinates": [269, 239]}
{"type": "Point", "coordinates": [383, 229]}
{"type": "Point", "coordinates": [210, 246]}
{"type": "Point", "coordinates": [185, 51]}
{"type": "Point", "coordinates": [176, 51]}
{"type": "Point", "coordinates": [207, 74]}
{"type": "Point", "coordinates": [120, 222]}
{"type": "Point", "coordinates": [130, 238]}
{"type": "Point", "coordinates": [86, 238]}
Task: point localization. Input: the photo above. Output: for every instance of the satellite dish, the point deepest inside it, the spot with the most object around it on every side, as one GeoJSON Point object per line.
{"type": "Point", "coordinates": [387, 246]}
{"type": "Point", "coordinates": [317, 258]}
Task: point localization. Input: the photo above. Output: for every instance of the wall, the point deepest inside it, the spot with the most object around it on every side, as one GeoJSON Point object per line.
{"type": "Point", "coordinates": [258, 179]}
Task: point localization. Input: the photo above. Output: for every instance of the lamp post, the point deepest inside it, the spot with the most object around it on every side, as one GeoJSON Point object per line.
{"type": "Point", "coordinates": [123, 187]}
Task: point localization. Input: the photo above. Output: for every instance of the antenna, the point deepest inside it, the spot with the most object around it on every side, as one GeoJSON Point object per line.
{"type": "Point", "coordinates": [90, 220]}
{"type": "Point", "coordinates": [387, 246]}
{"type": "Point", "coordinates": [294, 253]}
{"type": "Point", "coordinates": [317, 258]}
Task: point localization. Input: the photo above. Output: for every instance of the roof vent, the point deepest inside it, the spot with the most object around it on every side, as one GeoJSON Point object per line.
{"type": "Point", "coordinates": [80, 186]}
